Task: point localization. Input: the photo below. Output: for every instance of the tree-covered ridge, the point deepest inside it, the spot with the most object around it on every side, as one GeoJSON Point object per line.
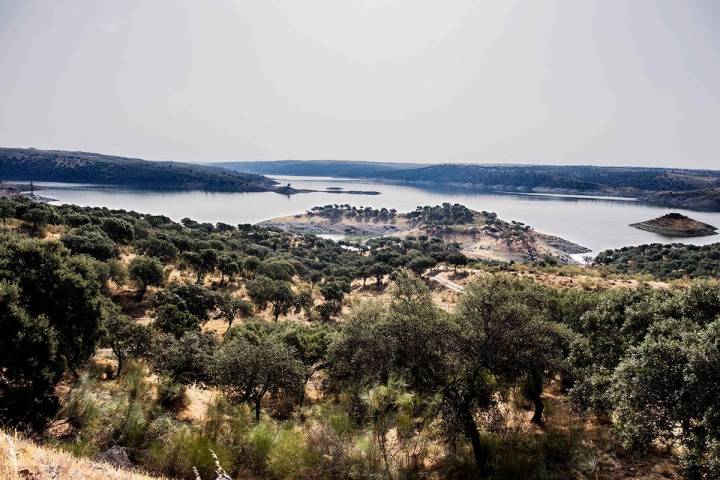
{"type": "Point", "coordinates": [580, 178]}
{"type": "Point", "coordinates": [445, 214]}
{"type": "Point", "coordinates": [318, 168]}
{"type": "Point", "coordinates": [337, 213]}
{"type": "Point", "coordinates": [691, 189]}
{"type": "Point", "coordinates": [665, 261]}
{"type": "Point", "coordinates": [82, 167]}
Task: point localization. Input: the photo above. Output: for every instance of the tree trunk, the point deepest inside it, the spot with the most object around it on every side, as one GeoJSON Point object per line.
{"type": "Point", "coordinates": [539, 407]}
{"type": "Point", "coordinates": [257, 410]}
{"type": "Point", "coordinates": [121, 363]}
{"type": "Point", "coordinates": [480, 451]}
{"type": "Point", "coordinates": [536, 388]}
{"type": "Point", "coordinates": [141, 292]}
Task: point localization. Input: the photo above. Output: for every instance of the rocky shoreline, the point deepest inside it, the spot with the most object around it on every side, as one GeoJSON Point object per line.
{"type": "Point", "coordinates": [562, 245]}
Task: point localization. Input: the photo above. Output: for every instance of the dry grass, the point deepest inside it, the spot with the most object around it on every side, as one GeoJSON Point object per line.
{"type": "Point", "coordinates": [23, 459]}
{"type": "Point", "coordinates": [585, 280]}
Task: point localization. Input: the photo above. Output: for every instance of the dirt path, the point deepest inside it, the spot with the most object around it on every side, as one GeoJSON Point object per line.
{"type": "Point", "coordinates": [449, 284]}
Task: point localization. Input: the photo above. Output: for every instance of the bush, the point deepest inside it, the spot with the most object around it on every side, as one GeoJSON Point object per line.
{"type": "Point", "coordinates": [184, 450]}
{"type": "Point", "coordinates": [260, 441]}
{"type": "Point", "coordinates": [290, 457]}
{"type": "Point", "coordinates": [171, 395]}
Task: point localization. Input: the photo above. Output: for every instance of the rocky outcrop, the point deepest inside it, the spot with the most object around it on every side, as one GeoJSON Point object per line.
{"type": "Point", "coordinates": [676, 225]}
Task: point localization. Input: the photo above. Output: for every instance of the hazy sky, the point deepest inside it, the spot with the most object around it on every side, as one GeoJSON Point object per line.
{"type": "Point", "coordinates": [567, 82]}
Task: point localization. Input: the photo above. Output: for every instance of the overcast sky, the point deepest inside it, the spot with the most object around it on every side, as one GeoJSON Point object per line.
{"type": "Point", "coordinates": [566, 82]}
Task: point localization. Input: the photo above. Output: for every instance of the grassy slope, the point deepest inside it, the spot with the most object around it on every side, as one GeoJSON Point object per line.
{"type": "Point", "coordinates": [23, 459]}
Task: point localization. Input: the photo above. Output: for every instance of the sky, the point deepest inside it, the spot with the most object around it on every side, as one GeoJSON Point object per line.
{"type": "Point", "coordinates": [604, 82]}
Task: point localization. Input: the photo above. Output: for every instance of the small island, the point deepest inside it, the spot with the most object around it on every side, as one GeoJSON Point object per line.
{"type": "Point", "coordinates": [676, 225]}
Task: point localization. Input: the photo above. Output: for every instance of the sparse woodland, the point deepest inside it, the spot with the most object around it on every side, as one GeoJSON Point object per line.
{"type": "Point", "coordinates": [172, 348]}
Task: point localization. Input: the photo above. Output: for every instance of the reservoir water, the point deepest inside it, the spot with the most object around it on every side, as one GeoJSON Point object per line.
{"type": "Point", "coordinates": [597, 223]}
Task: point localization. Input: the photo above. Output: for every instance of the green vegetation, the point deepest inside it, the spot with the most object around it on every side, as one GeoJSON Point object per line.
{"type": "Point", "coordinates": [689, 189]}
{"type": "Point", "coordinates": [670, 261]}
{"type": "Point", "coordinates": [445, 214]}
{"type": "Point", "coordinates": [83, 167]}
{"type": "Point", "coordinates": [52, 308]}
{"type": "Point", "coordinates": [299, 382]}
{"type": "Point", "coordinates": [336, 213]}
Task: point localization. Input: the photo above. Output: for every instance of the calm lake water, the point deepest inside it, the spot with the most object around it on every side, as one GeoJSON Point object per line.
{"type": "Point", "coordinates": [595, 223]}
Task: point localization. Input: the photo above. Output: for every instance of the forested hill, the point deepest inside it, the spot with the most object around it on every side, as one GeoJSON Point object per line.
{"type": "Point", "coordinates": [83, 167]}
{"type": "Point", "coordinates": [320, 168]}
{"type": "Point", "coordinates": [691, 189]}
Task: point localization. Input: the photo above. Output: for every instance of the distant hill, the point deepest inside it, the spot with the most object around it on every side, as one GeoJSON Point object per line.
{"type": "Point", "coordinates": [319, 168]}
{"type": "Point", "coordinates": [690, 189]}
{"type": "Point", "coordinates": [82, 167]}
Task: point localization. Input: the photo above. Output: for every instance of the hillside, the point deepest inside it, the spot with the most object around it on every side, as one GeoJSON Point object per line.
{"type": "Point", "coordinates": [290, 356]}
{"type": "Point", "coordinates": [82, 167]}
{"type": "Point", "coordinates": [479, 235]}
{"type": "Point", "coordinates": [669, 261]}
{"type": "Point", "coordinates": [689, 189]}
{"type": "Point", "coordinates": [22, 459]}
{"type": "Point", "coordinates": [318, 168]}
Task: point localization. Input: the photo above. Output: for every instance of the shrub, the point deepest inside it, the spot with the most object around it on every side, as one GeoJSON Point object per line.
{"type": "Point", "coordinates": [260, 440]}
{"type": "Point", "coordinates": [290, 457]}
{"type": "Point", "coordinates": [184, 450]}
{"type": "Point", "coordinates": [171, 395]}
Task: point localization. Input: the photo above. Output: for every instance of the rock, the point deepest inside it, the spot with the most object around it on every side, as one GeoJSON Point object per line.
{"type": "Point", "coordinates": [117, 457]}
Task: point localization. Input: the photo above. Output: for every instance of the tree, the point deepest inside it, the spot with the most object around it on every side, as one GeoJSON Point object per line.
{"type": "Point", "coordinates": [119, 230]}
{"type": "Point", "coordinates": [127, 338]}
{"type": "Point", "coordinates": [420, 263]}
{"type": "Point", "coordinates": [31, 364]}
{"type": "Point", "coordinates": [144, 272]}
{"type": "Point", "coordinates": [159, 248]}
{"type": "Point", "coordinates": [456, 260]}
{"type": "Point", "coordinates": [494, 342]}
{"type": "Point", "coordinates": [505, 328]}
{"type": "Point", "coordinates": [278, 293]}
{"type": "Point", "coordinates": [666, 389]}
{"type": "Point", "coordinates": [52, 309]}
{"type": "Point", "coordinates": [37, 218]}
{"type": "Point", "coordinates": [170, 318]}
{"type": "Point", "coordinates": [249, 265]}
{"type": "Point", "coordinates": [192, 298]}
{"type": "Point", "coordinates": [7, 210]}
{"type": "Point", "coordinates": [276, 270]}
{"type": "Point", "coordinates": [203, 262]}
{"type": "Point", "coordinates": [186, 359]}
{"type": "Point", "coordinates": [247, 372]}
{"type": "Point", "coordinates": [333, 291]}
{"type": "Point", "coordinates": [232, 307]}
{"type": "Point", "coordinates": [310, 344]}
{"type": "Point", "coordinates": [229, 265]}
{"type": "Point", "coordinates": [92, 241]}
{"type": "Point", "coordinates": [379, 270]}
{"type": "Point", "coordinates": [618, 322]}
{"type": "Point", "coordinates": [224, 227]}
